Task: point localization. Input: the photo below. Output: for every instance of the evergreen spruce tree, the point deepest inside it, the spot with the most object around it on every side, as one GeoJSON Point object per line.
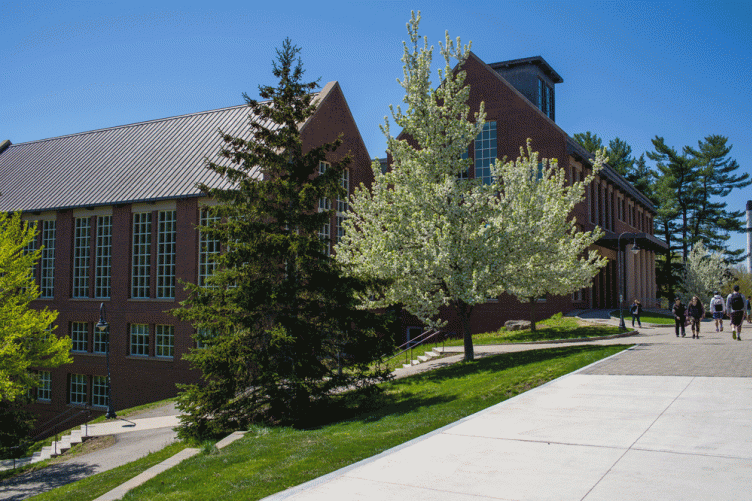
{"type": "Point", "coordinates": [277, 322]}
{"type": "Point", "coordinates": [716, 179]}
{"type": "Point", "coordinates": [619, 157]}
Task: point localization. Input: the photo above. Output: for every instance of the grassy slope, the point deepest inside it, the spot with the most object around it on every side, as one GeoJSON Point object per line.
{"type": "Point", "coordinates": [269, 460]}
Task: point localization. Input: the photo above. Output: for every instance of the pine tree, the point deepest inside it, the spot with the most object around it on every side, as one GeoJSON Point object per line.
{"type": "Point", "coordinates": [278, 320]}
{"type": "Point", "coordinates": [26, 338]}
{"type": "Point", "coordinates": [711, 221]}
{"type": "Point", "coordinates": [591, 142]}
{"type": "Point", "coordinates": [619, 157]}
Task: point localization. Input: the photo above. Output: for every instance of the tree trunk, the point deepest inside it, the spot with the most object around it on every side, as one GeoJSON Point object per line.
{"type": "Point", "coordinates": [464, 310]}
{"type": "Point", "coordinates": [532, 314]}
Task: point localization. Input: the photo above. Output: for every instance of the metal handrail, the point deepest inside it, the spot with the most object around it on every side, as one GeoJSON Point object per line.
{"type": "Point", "coordinates": [408, 346]}
{"type": "Point", "coordinates": [46, 433]}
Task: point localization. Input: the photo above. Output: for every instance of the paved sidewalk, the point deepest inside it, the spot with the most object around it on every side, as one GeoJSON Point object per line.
{"type": "Point", "coordinates": [670, 419]}
{"type": "Point", "coordinates": [135, 438]}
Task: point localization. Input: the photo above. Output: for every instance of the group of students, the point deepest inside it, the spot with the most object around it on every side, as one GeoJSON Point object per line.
{"type": "Point", "coordinates": [735, 306]}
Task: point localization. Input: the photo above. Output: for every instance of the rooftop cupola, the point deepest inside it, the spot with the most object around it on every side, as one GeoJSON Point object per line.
{"type": "Point", "coordinates": [534, 78]}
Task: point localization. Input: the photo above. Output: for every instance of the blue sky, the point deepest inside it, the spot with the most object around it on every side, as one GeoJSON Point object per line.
{"type": "Point", "coordinates": [632, 69]}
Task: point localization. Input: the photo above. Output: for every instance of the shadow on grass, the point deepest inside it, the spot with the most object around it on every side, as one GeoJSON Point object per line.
{"type": "Point", "coordinates": [376, 403]}
{"type": "Point", "coordinates": [34, 482]}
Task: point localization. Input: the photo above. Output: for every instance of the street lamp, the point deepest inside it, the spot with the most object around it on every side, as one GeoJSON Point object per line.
{"type": "Point", "coordinates": [102, 325]}
{"type": "Point", "coordinates": [619, 256]}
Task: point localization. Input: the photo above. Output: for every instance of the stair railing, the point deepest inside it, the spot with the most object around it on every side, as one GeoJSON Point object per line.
{"type": "Point", "coordinates": [407, 347]}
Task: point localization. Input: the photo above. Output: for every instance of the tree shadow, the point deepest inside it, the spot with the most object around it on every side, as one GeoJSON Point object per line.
{"type": "Point", "coordinates": [375, 404]}
{"type": "Point", "coordinates": [36, 482]}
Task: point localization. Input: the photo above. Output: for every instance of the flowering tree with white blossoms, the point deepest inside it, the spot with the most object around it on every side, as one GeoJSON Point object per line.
{"type": "Point", "coordinates": [550, 255]}
{"type": "Point", "coordinates": [437, 237]}
{"type": "Point", "coordinates": [704, 272]}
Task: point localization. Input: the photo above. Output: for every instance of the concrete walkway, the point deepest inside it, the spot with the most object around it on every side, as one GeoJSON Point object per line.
{"type": "Point", "coordinates": [136, 437]}
{"type": "Point", "coordinates": [670, 419]}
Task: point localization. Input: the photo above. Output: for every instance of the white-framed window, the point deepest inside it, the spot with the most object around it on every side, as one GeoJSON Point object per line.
{"type": "Point", "coordinates": [80, 336]}
{"type": "Point", "coordinates": [165, 341]}
{"type": "Point", "coordinates": [100, 340]}
{"type": "Point", "coordinates": [44, 391]}
{"type": "Point", "coordinates": [325, 205]}
{"type": "Point", "coordinates": [99, 391]}
{"type": "Point", "coordinates": [81, 251]}
{"type": "Point", "coordinates": [342, 206]}
{"type": "Point", "coordinates": [208, 247]}
{"type": "Point", "coordinates": [204, 337]}
{"type": "Point", "coordinates": [103, 270]}
{"type": "Point", "coordinates": [141, 255]}
{"type": "Point", "coordinates": [140, 339]}
{"type": "Point", "coordinates": [47, 261]}
{"type": "Point", "coordinates": [166, 238]}
{"type": "Point", "coordinates": [78, 390]}
{"type": "Point", "coordinates": [485, 152]}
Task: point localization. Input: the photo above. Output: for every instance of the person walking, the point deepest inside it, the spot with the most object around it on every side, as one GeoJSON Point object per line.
{"type": "Point", "coordinates": [680, 317]}
{"type": "Point", "coordinates": [735, 304]}
{"type": "Point", "coordinates": [718, 309]}
{"type": "Point", "coordinates": [696, 312]}
{"type": "Point", "coordinates": [636, 311]}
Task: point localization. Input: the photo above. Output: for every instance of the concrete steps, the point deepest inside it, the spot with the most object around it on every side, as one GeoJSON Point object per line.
{"type": "Point", "coordinates": [428, 355]}
{"type": "Point", "coordinates": [60, 446]}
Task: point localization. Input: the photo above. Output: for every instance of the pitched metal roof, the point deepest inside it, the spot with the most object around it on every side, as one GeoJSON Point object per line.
{"type": "Point", "coordinates": [145, 161]}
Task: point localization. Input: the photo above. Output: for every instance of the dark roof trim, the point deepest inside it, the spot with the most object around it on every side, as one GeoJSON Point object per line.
{"type": "Point", "coordinates": [535, 60]}
{"type": "Point", "coordinates": [113, 204]}
{"type": "Point", "coordinates": [581, 154]}
{"type": "Point", "coordinates": [4, 145]}
{"type": "Point", "coordinates": [644, 241]}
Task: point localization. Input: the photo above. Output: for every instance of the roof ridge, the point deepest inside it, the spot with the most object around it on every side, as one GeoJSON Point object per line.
{"type": "Point", "coordinates": [125, 126]}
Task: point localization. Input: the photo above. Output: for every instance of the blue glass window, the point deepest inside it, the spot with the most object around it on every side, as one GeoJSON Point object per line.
{"type": "Point", "coordinates": [485, 152]}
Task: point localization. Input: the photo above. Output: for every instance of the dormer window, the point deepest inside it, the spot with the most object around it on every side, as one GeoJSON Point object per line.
{"type": "Point", "coordinates": [546, 98]}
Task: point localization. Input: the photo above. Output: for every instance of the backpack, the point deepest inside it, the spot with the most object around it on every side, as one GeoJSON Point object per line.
{"type": "Point", "coordinates": [718, 304]}
{"type": "Point", "coordinates": [737, 303]}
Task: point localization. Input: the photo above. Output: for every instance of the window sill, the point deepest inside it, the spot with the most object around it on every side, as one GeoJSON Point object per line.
{"type": "Point", "coordinates": [90, 299]}
{"type": "Point", "coordinates": [88, 353]}
{"type": "Point", "coordinates": [147, 357]}
{"type": "Point", "coordinates": [152, 299]}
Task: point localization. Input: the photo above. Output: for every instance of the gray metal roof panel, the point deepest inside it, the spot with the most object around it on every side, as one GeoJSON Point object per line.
{"type": "Point", "coordinates": [153, 160]}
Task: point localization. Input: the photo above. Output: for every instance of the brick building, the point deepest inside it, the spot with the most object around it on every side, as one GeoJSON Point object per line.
{"type": "Point", "coordinates": [519, 101]}
{"type": "Point", "coordinates": [117, 211]}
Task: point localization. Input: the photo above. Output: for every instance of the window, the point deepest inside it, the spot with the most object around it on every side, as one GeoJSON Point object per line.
{"type": "Point", "coordinates": [140, 340]}
{"type": "Point", "coordinates": [342, 205]}
{"type": "Point", "coordinates": [81, 250]}
{"type": "Point", "coordinates": [166, 254]}
{"type": "Point", "coordinates": [485, 152]}
{"type": "Point", "coordinates": [546, 98]}
{"type": "Point", "coordinates": [165, 345]}
{"type": "Point", "coordinates": [208, 248]}
{"type": "Point", "coordinates": [44, 391]}
{"type": "Point", "coordinates": [78, 393]}
{"type": "Point", "coordinates": [100, 340]}
{"type": "Point", "coordinates": [80, 336]}
{"type": "Point", "coordinates": [99, 391]}
{"type": "Point", "coordinates": [204, 337]}
{"type": "Point", "coordinates": [47, 280]}
{"type": "Point", "coordinates": [103, 270]}
{"type": "Point", "coordinates": [141, 264]}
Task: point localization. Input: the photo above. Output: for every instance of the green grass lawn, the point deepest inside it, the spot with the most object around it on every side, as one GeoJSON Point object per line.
{"type": "Point", "coordinates": [96, 485]}
{"type": "Point", "coordinates": [555, 328]}
{"type": "Point", "coordinates": [269, 460]}
{"type": "Point", "coordinates": [647, 317]}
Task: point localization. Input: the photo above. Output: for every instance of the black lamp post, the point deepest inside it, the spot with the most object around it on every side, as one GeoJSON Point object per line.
{"type": "Point", "coordinates": [102, 325]}
{"type": "Point", "coordinates": [619, 256]}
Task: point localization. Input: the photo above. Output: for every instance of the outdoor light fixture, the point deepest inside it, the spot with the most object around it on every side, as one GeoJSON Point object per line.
{"type": "Point", "coordinates": [619, 257]}
{"type": "Point", "coordinates": [102, 325]}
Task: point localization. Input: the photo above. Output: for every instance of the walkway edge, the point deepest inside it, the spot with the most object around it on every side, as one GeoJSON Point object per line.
{"type": "Point", "coordinates": [121, 490]}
